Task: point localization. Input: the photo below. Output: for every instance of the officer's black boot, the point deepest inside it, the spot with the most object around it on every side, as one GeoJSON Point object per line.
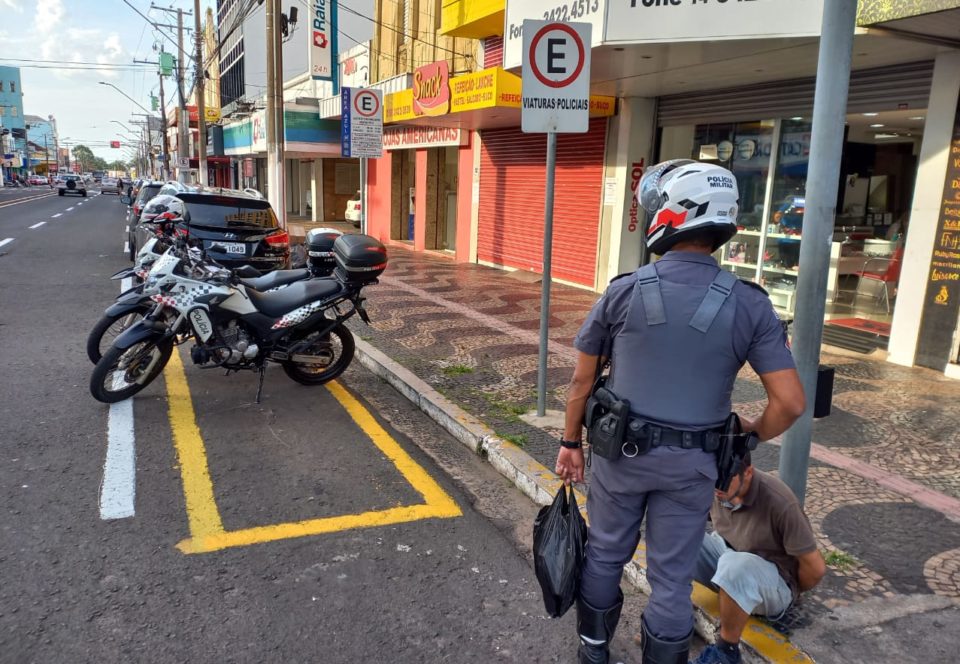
{"type": "Point", "coordinates": [658, 651]}
{"type": "Point", "coordinates": [596, 628]}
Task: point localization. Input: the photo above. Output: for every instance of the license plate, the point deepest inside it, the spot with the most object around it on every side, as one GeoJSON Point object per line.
{"type": "Point", "coordinates": [232, 247]}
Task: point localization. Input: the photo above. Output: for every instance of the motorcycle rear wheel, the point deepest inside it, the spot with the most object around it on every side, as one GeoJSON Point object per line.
{"type": "Point", "coordinates": [330, 353]}
{"type": "Point", "coordinates": [122, 373]}
{"type": "Point", "coordinates": [107, 329]}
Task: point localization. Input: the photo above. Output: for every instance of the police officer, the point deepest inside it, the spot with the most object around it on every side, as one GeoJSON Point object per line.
{"type": "Point", "coordinates": [678, 332]}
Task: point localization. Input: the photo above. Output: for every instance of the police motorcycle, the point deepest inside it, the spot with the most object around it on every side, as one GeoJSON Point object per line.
{"type": "Point", "coordinates": [133, 304]}
{"type": "Point", "coordinates": [235, 327]}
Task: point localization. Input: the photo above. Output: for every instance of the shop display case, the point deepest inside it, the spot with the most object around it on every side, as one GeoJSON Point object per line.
{"type": "Point", "coordinates": [776, 271]}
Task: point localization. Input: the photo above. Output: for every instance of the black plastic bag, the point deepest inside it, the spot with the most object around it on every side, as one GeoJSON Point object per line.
{"type": "Point", "coordinates": [559, 540]}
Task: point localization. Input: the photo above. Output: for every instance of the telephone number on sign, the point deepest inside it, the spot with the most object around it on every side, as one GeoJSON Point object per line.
{"type": "Point", "coordinates": [574, 10]}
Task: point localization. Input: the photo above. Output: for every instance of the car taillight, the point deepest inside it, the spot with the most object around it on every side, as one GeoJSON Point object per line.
{"type": "Point", "coordinates": [279, 238]}
{"type": "Point", "coordinates": [136, 209]}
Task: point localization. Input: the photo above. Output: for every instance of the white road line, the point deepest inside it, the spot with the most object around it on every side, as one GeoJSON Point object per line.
{"type": "Point", "coordinates": [119, 488]}
{"type": "Point", "coordinates": [7, 241]}
{"type": "Point", "coordinates": [56, 215]}
{"type": "Point", "coordinates": [126, 247]}
{"type": "Point", "coordinates": [69, 208]}
{"type": "Point", "coordinates": [126, 229]}
{"type": "Point", "coordinates": [38, 225]}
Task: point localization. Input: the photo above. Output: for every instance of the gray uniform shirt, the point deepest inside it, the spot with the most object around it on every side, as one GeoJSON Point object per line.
{"type": "Point", "coordinates": [758, 334]}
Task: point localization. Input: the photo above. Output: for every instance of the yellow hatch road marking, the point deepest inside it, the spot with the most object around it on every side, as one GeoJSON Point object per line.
{"type": "Point", "coordinates": [206, 529]}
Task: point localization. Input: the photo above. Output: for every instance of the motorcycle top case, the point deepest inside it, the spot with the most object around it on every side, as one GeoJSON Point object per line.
{"type": "Point", "coordinates": [360, 258]}
{"type": "Point", "coordinates": [320, 250]}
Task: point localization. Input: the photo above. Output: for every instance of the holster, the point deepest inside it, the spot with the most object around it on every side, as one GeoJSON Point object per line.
{"type": "Point", "coordinates": [734, 445]}
{"type": "Point", "coordinates": [606, 419]}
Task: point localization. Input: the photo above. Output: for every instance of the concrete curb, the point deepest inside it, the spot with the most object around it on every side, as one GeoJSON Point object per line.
{"type": "Point", "coordinates": [540, 484]}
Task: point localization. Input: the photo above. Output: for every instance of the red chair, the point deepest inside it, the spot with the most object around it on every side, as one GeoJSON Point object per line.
{"type": "Point", "coordinates": [885, 272]}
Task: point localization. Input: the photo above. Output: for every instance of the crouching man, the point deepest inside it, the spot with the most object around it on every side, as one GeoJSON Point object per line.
{"type": "Point", "coordinates": [760, 557]}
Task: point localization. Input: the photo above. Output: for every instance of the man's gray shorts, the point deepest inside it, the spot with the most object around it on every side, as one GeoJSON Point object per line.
{"type": "Point", "coordinates": [752, 582]}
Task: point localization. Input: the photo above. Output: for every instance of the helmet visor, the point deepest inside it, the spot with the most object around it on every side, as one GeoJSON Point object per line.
{"type": "Point", "coordinates": [650, 194]}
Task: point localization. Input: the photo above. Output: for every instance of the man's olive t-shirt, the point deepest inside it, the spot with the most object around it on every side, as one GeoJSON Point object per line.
{"type": "Point", "coordinates": [771, 524]}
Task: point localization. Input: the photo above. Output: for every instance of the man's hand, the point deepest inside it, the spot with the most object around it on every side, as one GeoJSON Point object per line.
{"type": "Point", "coordinates": [570, 465]}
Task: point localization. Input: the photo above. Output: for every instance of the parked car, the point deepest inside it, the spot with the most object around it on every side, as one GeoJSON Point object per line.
{"type": "Point", "coordinates": [36, 180]}
{"type": "Point", "coordinates": [139, 233]}
{"type": "Point", "coordinates": [110, 186]}
{"type": "Point", "coordinates": [136, 204]}
{"type": "Point", "coordinates": [354, 208]}
{"type": "Point", "coordinates": [71, 184]}
{"type": "Point", "coordinates": [235, 228]}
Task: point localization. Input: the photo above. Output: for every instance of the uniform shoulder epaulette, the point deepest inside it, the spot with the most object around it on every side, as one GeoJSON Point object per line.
{"type": "Point", "coordinates": [621, 276]}
{"type": "Point", "coordinates": [754, 284]}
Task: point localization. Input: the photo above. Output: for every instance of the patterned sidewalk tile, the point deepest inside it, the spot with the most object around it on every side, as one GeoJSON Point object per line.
{"type": "Point", "coordinates": [902, 420]}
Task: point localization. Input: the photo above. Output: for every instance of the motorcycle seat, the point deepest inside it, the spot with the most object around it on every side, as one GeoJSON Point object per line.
{"type": "Point", "coordinates": [294, 296]}
{"type": "Point", "coordinates": [275, 279]}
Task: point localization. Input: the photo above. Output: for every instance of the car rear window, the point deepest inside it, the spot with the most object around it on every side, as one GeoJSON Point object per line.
{"type": "Point", "coordinates": [147, 192]}
{"type": "Point", "coordinates": [230, 212]}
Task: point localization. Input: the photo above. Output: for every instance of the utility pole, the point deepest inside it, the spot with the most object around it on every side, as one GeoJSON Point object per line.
{"type": "Point", "coordinates": [163, 128]}
{"type": "Point", "coordinates": [183, 124]}
{"type": "Point", "coordinates": [276, 174]}
{"type": "Point", "coordinates": [826, 143]}
{"type": "Point", "coordinates": [200, 84]}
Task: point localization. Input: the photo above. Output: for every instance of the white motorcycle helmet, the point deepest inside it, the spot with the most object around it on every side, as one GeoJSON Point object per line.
{"type": "Point", "coordinates": [683, 197]}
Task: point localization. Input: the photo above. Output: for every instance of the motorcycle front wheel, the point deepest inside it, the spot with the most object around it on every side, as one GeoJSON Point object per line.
{"type": "Point", "coordinates": [324, 357]}
{"type": "Point", "coordinates": [122, 373]}
{"type": "Point", "coordinates": [107, 329]}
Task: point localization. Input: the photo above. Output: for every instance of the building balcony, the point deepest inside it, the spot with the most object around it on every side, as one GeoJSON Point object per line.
{"type": "Point", "coordinates": [474, 19]}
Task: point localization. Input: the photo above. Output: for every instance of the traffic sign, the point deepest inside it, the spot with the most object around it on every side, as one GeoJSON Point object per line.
{"type": "Point", "coordinates": [183, 162]}
{"type": "Point", "coordinates": [361, 122]}
{"type": "Point", "coordinates": [556, 77]}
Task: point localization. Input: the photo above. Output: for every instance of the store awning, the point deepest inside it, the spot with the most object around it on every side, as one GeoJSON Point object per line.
{"type": "Point", "coordinates": [481, 100]}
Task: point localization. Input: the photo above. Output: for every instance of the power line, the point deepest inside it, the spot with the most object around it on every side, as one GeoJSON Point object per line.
{"type": "Point", "coordinates": [66, 62]}
{"type": "Point", "coordinates": [401, 32]}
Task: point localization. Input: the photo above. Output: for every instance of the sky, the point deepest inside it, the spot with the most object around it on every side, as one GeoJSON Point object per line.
{"type": "Point", "coordinates": [102, 38]}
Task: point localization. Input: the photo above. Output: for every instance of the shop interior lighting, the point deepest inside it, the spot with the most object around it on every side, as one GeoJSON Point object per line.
{"type": "Point", "coordinates": [886, 135]}
{"type": "Point", "coordinates": [796, 118]}
{"type": "Point", "coordinates": [871, 115]}
{"type": "Point", "coordinates": [916, 117]}
{"type": "Point", "coordinates": [877, 126]}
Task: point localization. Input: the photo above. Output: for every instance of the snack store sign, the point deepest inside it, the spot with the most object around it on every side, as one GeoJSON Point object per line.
{"type": "Point", "coordinates": [431, 89]}
{"type": "Point", "coordinates": [654, 21]}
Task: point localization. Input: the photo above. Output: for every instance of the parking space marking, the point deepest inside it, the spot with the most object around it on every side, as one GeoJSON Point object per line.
{"type": "Point", "coordinates": [6, 241]}
{"type": "Point", "coordinates": [119, 486]}
{"type": "Point", "coordinates": [126, 247]}
{"type": "Point", "coordinates": [37, 225]}
{"type": "Point", "coordinates": [206, 528]}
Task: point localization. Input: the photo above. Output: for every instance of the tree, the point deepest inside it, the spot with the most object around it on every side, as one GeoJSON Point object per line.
{"type": "Point", "coordinates": [87, 160]}
{"type": "Point", "coordinates": [117, 165]}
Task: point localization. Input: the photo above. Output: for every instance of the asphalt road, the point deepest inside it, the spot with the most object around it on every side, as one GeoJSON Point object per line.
{"type": "Point", "coordinates": [342, 540]}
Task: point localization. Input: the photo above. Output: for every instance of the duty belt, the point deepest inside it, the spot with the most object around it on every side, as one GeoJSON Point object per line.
{"type": "Point", "coordinates": [643, 436]}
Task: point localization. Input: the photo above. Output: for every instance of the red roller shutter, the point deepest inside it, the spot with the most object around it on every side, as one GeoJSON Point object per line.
{"type": "Point", "coordinates": [512, 187]}
{"type": "Point", "coordinates": [492, 52]}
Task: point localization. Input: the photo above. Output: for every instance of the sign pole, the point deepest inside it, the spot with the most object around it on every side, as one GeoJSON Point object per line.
{"type": "Point", "coordinates": [826, 142]}
{"type": "Point", "coordinates": [545, 290]}
{"type": "Point", "coordinates": [363, 195]}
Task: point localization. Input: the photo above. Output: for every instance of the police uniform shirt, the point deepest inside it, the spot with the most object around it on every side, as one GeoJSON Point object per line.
{"type": "Point", "coordinates": [759, 337]}
{"type": "Point", "coordinates": [770, 524]}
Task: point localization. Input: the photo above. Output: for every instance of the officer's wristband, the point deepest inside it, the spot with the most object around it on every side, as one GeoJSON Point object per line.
{"type": "Point", "coordinates": [571, 444]}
